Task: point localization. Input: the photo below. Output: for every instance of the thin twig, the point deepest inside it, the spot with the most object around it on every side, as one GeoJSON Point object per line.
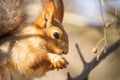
{"type": "Point", "coordinates": [104, 29]}
{"type": "Point", "coordinates": [101, 11]}
{"type": "Point", "coordinates": [100, 41]}
{"type": "Point", "coordinates": [81, 56]}
{"type": "Point", "coordinates": [116, 16]}
{"type": "Point", "coordinates": [116, 9]}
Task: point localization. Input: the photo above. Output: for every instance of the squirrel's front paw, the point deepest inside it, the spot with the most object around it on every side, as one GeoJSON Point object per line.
{"type": "Point", "coordinates": [57, 62]}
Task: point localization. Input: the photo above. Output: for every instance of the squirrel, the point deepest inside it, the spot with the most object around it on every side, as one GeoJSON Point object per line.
{"type": "Point", "coordinates": [36, 48]}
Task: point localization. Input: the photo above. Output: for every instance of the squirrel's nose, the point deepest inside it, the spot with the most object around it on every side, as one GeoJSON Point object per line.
{"type": "Point", "coordinates": [65, 52]}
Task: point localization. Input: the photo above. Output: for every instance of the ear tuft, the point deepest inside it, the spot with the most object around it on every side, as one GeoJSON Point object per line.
{"type": "Point", "coordinates": [46, 16]}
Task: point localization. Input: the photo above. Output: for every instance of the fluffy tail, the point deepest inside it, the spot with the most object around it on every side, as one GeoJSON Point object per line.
{"type": "Point", "coordinates": [11, 15]}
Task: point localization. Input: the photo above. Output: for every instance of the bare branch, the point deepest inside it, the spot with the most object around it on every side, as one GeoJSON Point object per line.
{"type": "Point", "coordinates": [104, 28]}
{"type": "Point", "coordinates": [100, 2]}
{"type": "Point", "coordinates": [93, 63]}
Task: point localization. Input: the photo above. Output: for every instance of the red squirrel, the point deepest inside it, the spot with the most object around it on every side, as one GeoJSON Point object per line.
{"type": "Point", "coordinates": [36, 48]}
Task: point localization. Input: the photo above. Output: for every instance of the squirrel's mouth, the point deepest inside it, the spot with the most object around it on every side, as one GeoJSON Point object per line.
{"type": "Point", "coordinates": [58, 51]}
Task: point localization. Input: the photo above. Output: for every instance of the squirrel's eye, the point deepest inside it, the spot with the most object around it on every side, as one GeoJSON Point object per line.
{"type": "Point", "coordinates": [56, 35]}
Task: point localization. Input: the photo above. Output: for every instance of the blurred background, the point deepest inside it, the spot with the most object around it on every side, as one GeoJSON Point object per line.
{"type": "Point", "coordinates": [84, 25]}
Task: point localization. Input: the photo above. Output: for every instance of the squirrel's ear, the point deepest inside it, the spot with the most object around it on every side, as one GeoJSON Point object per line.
{"type": "Point", "coordinates": [46, 17]}
{"type": "Point", "coordinates": [49, 14]}
{"type": "Point", "coordinates": [58, 8]}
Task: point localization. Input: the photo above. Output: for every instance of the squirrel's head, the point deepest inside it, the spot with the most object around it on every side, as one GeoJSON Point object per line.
{"type": "Point", "coordinates": [57, 38]}
{"type": "Point", "coordinates": [51, 23]}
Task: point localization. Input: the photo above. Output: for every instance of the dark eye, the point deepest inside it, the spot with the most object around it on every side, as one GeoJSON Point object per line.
{"type": "Point", "coordinates": [56, 35]}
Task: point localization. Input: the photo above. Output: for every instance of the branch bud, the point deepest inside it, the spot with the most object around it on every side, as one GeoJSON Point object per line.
{"type": "Point", "coordinates": [94, 50]}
